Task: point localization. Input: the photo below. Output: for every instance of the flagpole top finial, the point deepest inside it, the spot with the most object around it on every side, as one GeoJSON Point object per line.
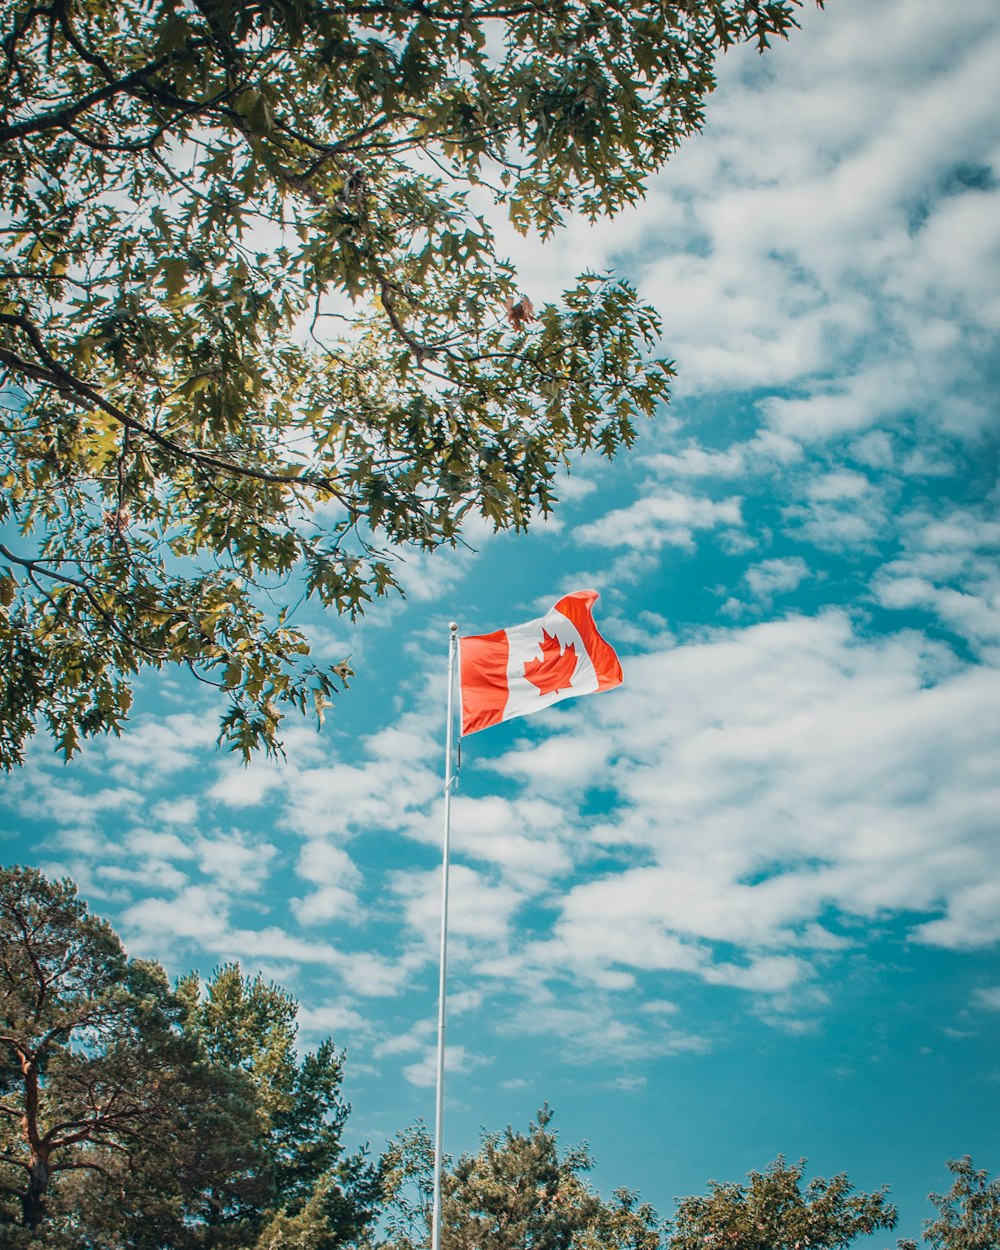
{"type": "Point", "coordinates": [453, 626]}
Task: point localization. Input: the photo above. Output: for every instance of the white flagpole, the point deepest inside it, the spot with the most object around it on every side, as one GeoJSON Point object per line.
{"type": "Point", "coordinates": [443, 969]}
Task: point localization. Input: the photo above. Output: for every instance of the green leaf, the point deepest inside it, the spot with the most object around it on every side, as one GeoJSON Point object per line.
{"type": "Point", "coordinates": [267, 310]}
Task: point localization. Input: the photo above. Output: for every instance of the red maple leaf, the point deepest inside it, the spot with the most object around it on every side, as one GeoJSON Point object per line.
{"type": "Point", "coordinates": [554, 671]}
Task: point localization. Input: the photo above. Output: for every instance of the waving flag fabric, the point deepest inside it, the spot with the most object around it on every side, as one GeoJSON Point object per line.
{"type": "Point", "coordinates": [512, 672]}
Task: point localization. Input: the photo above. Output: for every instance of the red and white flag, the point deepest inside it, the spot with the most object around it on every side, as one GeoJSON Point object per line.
{"type": "Point", "coordinates": [512, 672]}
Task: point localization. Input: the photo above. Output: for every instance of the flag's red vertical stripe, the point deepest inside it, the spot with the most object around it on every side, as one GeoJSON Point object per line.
{"type": "Point", "coordinates": [484, 680]}
{"type": "Point", "coordinates": [577, 608]}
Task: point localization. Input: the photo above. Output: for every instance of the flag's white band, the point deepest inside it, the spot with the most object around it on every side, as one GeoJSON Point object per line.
{"type": "Point", "coordinates": [525, 644]}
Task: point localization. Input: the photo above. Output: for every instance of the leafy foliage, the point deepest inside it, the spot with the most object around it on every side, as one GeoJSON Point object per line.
{"type": "Point", "coordinates": [104, 1097]}
{"type": "Point", "coordinates": [132, 1118]}
{"type": "Point", "coordinates": [518, 1192]}
{"type": "Point", "coordinates": [773, 1212]}
{"type": "Point", "coordinates": [305, 1179]}
{"type": "Point", "coordinates": [968, 1215]}
{"type": "Point", "coordinates": [255, 332]}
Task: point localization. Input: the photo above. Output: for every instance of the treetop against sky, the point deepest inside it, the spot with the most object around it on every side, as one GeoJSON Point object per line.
{"type": "Point", "coordinates": [138, 1115]}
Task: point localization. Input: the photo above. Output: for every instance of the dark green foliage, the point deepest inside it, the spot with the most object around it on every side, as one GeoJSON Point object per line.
{"type": "Point", "coordinates": [133, 1118]}
{"type": "Point", "coordinates": [254, 332]}
{"type": "Point", "coordinates": [304, 1177]}
{"type": "Point", "coordinates": [773, 1212]}
{"type": "Point", "coordinates": [111, 1115]}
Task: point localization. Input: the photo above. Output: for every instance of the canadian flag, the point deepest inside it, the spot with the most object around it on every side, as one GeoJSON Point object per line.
{"type": "Point", "coordinates": [512, 672]}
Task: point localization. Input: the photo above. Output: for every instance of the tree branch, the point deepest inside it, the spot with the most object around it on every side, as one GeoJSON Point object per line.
{"type": "Point", "coordinates": [55, 374]}
{"type": "Point", "coordinates": [59, 118]}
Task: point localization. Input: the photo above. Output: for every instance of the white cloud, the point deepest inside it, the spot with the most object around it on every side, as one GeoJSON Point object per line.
{"type": "Point", "coordinates": [559, 757]}
{"type": "Point", "coordinates": [948, 568]}
{"type": "Point", "coordinates": [240, 861]}
{"type": "Point", "coordinates": [769, 775]}
{"type": "Point", "coordinates": [765, 452]}
{"type": "Point", "coordinates": [524, 838]}
{"type": "Point", "coordinates": [970, 615]}
{"type": "Point", "coordinates": [772, 577]}
{"type": "Point", "coordinates": [67, 804]}
{"type": "Point", "coordinates": [666, 518]}
{"type": "Point", "coordinates": [972, 919]}
{"type": "Point", "coordinates": [458, 1060]}
{"type": "Point", "coordinates": [332, 904]}
{"type": "Point", "coordinates": [478, 908]}
{"type": "Point", "coordinates": [326, 864]}
{"type": "Point", "coordinates": [197, 913]}
{"type": "Point", "coordinates": [241, 786]}
{"type": "Point", "coordinates": [593, 1028]}
{"type": "Point", "coordinates": [337, 879]}
{"type": "Point", "coordinates": [333, 1020]}
{"type": "Point", "coordinates": [571, 488]}
{"type": "Point", "coordinates": [988, 997]}
{"type": "Point", "coordinates": [152, 875]}
{"type": "Point", "coordinates": [413, 1040]}
{"type": "Point", "coordinates": [158, 747]}
{"type": "Point", "coordinates": [385, 785]}
{"type": "Point", "coordinates": [837, 486]}
{"type": "Point", "coordinates": [183, 812]}
{"type": "Point", "coordinates": [837, 261]}
{"type": "Point", "coordinates": [377, 976]}
{"type": "Point", "coordinates": [840, 526]}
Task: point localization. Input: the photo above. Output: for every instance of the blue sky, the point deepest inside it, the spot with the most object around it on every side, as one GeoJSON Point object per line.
{"type": "Point", "coordinates": [749, 903]}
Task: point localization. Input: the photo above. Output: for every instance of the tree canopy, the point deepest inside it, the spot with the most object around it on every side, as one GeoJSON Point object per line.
{"type": "Point", "coordinates": [519, 1191]}
{"type": "Point", "coordinates": [774, 1212]}
{"type": "Point", "coordinates": [304, 1177]}
{"type": "Point", "coordinates": [133, 1117]}
{"type": "Point", "coordinates": [95, 1074]}
{"type": "Point", "coordinates": [256, 336]}
{"type": "Point", "coordinates": [968, 1215]}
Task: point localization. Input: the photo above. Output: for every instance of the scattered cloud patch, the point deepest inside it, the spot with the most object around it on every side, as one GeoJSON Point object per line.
{"type": "Point", "coordinates": [669, 518]}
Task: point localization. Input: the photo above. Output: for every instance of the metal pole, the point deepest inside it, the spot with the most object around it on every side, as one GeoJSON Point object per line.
{"type": "Point", "coordinates": [443, 969]}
